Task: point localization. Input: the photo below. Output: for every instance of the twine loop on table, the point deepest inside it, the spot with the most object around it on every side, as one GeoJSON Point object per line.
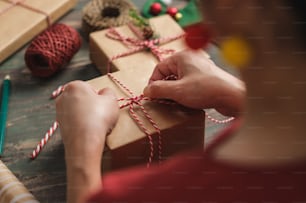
{"type": "Point", "coordinates": [21, 3]}
{"type": "Point", "coordinates": [136, 45]}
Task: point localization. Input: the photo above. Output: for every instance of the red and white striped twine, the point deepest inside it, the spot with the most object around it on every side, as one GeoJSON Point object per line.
{"type": "Point", "coordinates": [57, 92]}
{"type": "Point", "coordinates": [136, 100]}
{"type": "Point", "coordinates": [51, 130]}
{"type": "Point", "coordinates": [136, 45]}
{"type": "Point", "coordinates": [44, 140]}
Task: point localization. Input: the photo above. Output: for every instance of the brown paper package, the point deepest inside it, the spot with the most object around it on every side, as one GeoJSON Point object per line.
{"type": "Point", "coordinates": [181, 128]}
{"type": "Point", "coordinates": [19, 25]}
{"type": "Point", "coordinates": [103, 48]}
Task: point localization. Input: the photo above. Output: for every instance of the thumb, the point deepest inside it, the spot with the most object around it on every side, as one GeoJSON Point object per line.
{"type": "Point", "coordinates": [163, 89]}
{"type": "Point", "coordinates": [106, 92]}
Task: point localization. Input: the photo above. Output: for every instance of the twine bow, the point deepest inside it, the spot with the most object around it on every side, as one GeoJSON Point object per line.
{"type": "Point", "coordinates": [136, 45]}
{"type": "Point", "coordinates": [21, 3]}
{"type": "Point", "coordinates": [133, 101]}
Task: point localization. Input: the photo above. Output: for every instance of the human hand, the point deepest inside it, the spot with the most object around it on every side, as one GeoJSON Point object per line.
{"type": "Point", "coordinates": [200, 84]}
{"type": "Point", "coordinates": [85, 116]}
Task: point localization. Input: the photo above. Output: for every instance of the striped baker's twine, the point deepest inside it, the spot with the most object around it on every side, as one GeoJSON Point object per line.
{"type": "Point", "coordinates": [129, 102]}
{"type": "Point", "coordinates": [137, 100]}
{"type": "Point", "coordinates": [51, 130]}
{"type": "Point", "coordinates": [44, 140]}
{"type": "Point", "coordinates": [136, 45]}
{"type": "Point", "coordinates": [57, 92]}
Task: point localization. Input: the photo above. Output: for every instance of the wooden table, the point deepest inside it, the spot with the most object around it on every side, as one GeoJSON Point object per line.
{"type": "Point", "coordinates": [31, 113]}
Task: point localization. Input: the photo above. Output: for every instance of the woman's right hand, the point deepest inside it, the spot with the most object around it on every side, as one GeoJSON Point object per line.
{"type": "Point", "coordinates": [200, 84]}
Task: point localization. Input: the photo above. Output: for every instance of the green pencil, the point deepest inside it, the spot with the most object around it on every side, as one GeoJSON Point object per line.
{"type": "Point", "coordinates": [3, 109]}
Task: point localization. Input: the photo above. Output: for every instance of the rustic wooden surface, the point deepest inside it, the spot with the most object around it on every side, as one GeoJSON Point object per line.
{"type": "Point", "coordinates": [31, 113]}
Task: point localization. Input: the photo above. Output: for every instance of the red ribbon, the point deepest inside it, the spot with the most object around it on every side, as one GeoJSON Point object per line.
{"type": "Point", "coordinates": [21, 3]}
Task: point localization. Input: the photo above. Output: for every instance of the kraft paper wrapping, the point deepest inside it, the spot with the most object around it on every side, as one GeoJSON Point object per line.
{"type": "Point", "coordinates": [11, 190]}
{"type": "Point", "coordinates": [103, 48]}
{"type": "Point", "coordinates": [181, 128]}
{"type": "Point", "coordinates": [19, 25]}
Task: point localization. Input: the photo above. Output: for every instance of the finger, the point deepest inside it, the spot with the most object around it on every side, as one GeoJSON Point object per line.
{"type": "Point", "coordinates": [78, 86]}
{"type": "Point", "coordinates": [163, 89]}
{"type": "Point", "coordinates": [107, 92]}
{"type": "Point", "coordinates": [164, 69]}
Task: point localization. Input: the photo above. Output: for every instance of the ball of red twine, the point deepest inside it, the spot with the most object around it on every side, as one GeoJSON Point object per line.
{"type": "Point", "coordinates": [52, 50]}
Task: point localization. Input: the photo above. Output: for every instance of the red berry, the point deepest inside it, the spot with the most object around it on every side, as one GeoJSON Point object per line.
{"type": "Point", "coordinates": [172, 11]}
{"type": "Point", "coordinates": [198, 36]}
{"type": "Point", "coordinates": [155, 8]}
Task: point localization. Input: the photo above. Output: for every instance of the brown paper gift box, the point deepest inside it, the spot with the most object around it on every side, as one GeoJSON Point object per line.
{"type": "Point", "coordinates": [19, 25]}
{"type": "Point", "coordinates": [102, 48]}
{"type": "Point", "coordinates": [181, 128]}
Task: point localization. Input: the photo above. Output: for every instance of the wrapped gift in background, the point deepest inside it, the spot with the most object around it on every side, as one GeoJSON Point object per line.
{"type": "Point", "coordinates": [180, 128]}
{"type": "Point", "coordinates": [103, 48]}
{"type": "Point", "coordinates": [22, 22]}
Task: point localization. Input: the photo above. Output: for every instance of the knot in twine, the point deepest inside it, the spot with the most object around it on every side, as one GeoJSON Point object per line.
{"type": "Point", "coordinates": [52, 50]}
{"type": "Point", "coordinates": [132, 100]}
{"type": "Point", "coordinates": [102, 14]}
{"type": "Point", "coordinates": [137, 45]}
{"type": "Point", "coordinates": [137, 100]}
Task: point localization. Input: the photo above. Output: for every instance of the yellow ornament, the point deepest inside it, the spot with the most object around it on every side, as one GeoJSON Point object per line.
{"type": "Point", "coordinates": [236, 52]}
{"type": "Point", "coordinates": [178, 16]}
